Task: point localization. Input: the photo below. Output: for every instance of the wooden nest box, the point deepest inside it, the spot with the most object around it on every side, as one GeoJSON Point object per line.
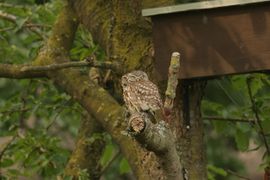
{"type": "Point", "coordinates": [214, 38]}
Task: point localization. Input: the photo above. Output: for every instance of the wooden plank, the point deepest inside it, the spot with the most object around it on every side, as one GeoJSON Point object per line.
{"type": "Point", "coordinates": [214, 42]}
{"type": "Point", "coordinates": [198, 6]}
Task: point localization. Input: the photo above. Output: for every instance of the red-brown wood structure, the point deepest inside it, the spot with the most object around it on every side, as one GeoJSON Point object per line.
{"type": "Point", "coordinates": [214, 38]}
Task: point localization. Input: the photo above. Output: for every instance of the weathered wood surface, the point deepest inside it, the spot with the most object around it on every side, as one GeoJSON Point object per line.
{"type": "Point", "coordinates": [213, 42]}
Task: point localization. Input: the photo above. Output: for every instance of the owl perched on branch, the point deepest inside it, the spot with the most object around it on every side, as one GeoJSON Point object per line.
{"type": "Point", "coordinates": [140, 94]}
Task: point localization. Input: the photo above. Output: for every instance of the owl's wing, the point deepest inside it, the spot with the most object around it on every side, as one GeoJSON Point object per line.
{"type": "Point", "coordinates": [149, 95]}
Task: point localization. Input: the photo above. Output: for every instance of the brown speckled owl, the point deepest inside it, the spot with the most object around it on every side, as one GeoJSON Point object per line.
{"type": "Point", "coordinates": [140, 94]}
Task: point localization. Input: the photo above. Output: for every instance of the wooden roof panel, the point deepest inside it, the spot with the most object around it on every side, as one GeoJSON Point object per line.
{"type": "Point", "coordinates": [214, 42]}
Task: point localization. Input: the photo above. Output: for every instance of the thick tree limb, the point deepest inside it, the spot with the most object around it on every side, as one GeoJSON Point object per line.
{"type": "Point", "coordinates": [159, 139]}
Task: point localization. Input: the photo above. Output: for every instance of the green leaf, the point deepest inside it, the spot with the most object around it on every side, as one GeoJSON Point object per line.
{"type": "Point", "coordinates": [20, 23]}
{"type": "Point", "coordinates": [124, 166]}
{"type": "Point", "coordinates": [107, 155]}
{"type": "Point", "coordinates": [242, 140]}
{"type": "Point", "coordinates": [210, 176]}
{"type": "Point", "coordinates": [6, 163]}
{"type": "Point", "coordinates": [217, 170]}
{"type": "Point", "coordinates": [220, 126]}
{"type": "Point", "coordinates": [256, 85]}
{"type": "Point", "coordinates": [14, 172]}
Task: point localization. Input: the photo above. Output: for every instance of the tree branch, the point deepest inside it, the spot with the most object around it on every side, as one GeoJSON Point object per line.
{"type": "Point", "coordinates": [228, 119]}
{"type": "Point", "coordinates": [6, 5]}
{"type": "Point", "coordinates": [237, 175]}
{"type": "Point", "coordinates": [34, 71]}
{"type": "Point", "coordinates": [15, 72]}
{"type": "Point", "coordinates": [52, 67]}
{"type": "Point", "coordinates": [159, 139]}
{"type": "Point", "coordinates": [172, 83]}
{"type": "Point", "coordinates": [32, 27]}
{"type": "Point", "coordinates": [9, 17]}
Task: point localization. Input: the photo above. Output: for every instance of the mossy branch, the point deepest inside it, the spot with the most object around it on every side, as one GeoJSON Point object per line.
{"type": "Point", "coordinates": [172, 80]}
{"type": "Point", "coordinates": [34, 71]}
{"type": "Point", "coordinates": [52, 67]}
{"type": "Point", "coordinates": [15, 72]}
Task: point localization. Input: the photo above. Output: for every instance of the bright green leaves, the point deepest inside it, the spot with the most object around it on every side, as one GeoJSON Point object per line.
{"type": "Point", "coordinates": [6, 162]}
{"type": "Point", "coordinates": [113, 163]}
{"type": "Point", "coordinates": [48, 115]}
{"type": "Point", "coordinates": [226, 104]}
{"type": "Point", "coordinates": [84, 46]}
{"type": "Point", "coordinates": [124, 166]}
{"type": "Point", "coordinates": [213, 171]}
{"type": "Point", "coordinates": [21, 38]}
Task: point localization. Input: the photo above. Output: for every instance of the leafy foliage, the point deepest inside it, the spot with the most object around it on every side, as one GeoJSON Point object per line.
{"type": "Point", "coordinates": [229, 99]}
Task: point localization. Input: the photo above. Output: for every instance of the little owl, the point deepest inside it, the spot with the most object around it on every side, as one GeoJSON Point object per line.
{"type": "Point", "coordinates": [140, 94]}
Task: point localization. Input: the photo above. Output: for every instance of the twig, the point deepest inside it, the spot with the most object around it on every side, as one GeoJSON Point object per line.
{"type": "Point", "coordinates": [30, 26]}
{"type": "Point", "coordinates": [171, 86]}
{"type": "Point", "coordinates": [257, 117]}
{"type": "Point", "coordinates": [228, 119]}
{"type": "Point", "coordinates": [8, 112]}
{"type": "Point", "coordinates": [6, 5]}
{"type": "Point", "coordinates": [8, 17]}
{"type": "Point", "coordinates": [107, 75]}
{"type": "Point", "coordinates": [35, 31]}
{"type": "Point", "coordinates": [58, 113]}
{"type": "Point", "coordinates": [237, 175]}
{"type": "Point", "coordinates": [6, 29]}
{"type": "Point", "coordinates": [172, 80]}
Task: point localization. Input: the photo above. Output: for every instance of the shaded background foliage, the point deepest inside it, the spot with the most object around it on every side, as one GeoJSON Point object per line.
{"type": "Point", "coordinates": [39, 122]}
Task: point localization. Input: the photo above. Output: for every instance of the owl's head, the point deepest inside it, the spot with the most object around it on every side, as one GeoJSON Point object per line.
{"type": "Point", "coordinates": [134, 76]}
